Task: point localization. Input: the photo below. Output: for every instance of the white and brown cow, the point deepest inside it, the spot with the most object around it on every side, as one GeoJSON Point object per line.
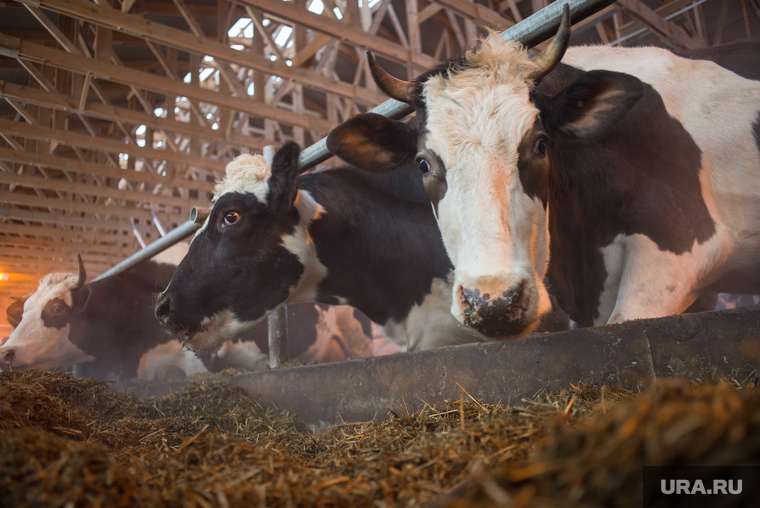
{"type": "Point", "coordinates": [341, 236]}
{"type": "Point", "coordinates": [635, 171]}
{"type": "Point", "coordinates": [108, 327]}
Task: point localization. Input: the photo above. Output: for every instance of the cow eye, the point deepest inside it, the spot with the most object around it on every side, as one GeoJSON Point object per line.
{"type": "Point", "coordinates": [539, 147]}
{"type": "Point", "coordinates": [57, 309]}
{"type": "Point", "coordinates": [231, 218]}
{"type": "Point", "coordinates": [424, 166]}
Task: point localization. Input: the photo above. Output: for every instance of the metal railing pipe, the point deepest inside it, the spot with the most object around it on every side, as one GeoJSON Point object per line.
{"type": "Point", "coordinates": [197, 218]}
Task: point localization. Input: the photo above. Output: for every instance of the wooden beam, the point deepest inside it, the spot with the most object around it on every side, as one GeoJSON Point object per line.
{"type": "Point", "coordinates": [668, 32]}
{"type": "Point", "coordinates": [113, 113]}
{"type": "Point", "coordinates": [176, 38]}
{"type": "Point", "coordinates": [89, 168]}
{"type": "Point", "coordinates": [116, 224]}
{"type": "Point", "coordinates": [478, 13]}
{"type": "Point", "coordinates": [63, 185]}
{"type": "Point", "coordinates": [108, 145]}
{"type": "Point", "coordinates": [67, 246]}
{"type": "Point", "coordinates": [39, 232]}
{"type": "Point", "coordinates": [335, 28]}
{"type": "Point", "coordinates": [11, 254]}
{"type": "Point", "coordinates": [663, 11]}
{"type": "Point", "coordinates": [18, 198]}
{"type": "Point", "coordinates": [147, 81]}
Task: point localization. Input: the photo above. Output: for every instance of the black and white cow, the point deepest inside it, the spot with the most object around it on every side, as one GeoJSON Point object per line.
{"type": "Point", "coordinates": [108, 326]}
{"type": "Point", "coordinates": [341, 236]}
{"type": "Point", "coordinates": [642, 168]}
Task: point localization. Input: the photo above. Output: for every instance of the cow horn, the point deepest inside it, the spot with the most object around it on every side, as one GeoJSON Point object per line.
{"type": "Point", "coordinates": [551, 56]}
{"type": "Point", "coordinates": [394, 88]}
{"type": "Point", "coordinates": [82, 272]}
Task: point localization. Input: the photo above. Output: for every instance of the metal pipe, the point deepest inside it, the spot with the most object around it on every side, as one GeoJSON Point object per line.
{"type": "Point", "coordinates": [531, 31]}
{"type": "Point", "coordinates": [174, 236]}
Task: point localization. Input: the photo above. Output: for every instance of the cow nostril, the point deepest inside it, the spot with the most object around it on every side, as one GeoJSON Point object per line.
{"type": "Point", "coordinates": [8, 356]}
{"type": "Point", "coordinates": [163, 307]}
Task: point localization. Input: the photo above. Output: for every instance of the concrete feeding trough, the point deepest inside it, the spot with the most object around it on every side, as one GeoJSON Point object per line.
{"type": "Point", "coordinates": [701, 347]}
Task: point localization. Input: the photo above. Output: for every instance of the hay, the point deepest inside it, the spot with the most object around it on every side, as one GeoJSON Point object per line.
{"type": "Point", "coordinates": [64, 440]}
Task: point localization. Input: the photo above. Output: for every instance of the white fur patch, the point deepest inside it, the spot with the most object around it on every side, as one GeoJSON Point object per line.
{"type": "Point", "coordinates": [655, 283]}
{"type": "Point", "coordinates": [431, 324]}
{"type": "Point", "coordinates": [247, 174]}
{"type": "Point", "coordinates": [302, 246]}
{"type": "Point", "coordinates": [218, 329]}
{"type": "Point", "coordinates": [36, 345]}
{"type": "Point", "coordinates": [165, 361]}
{"type": "Point", "coordinates": [242, 355]}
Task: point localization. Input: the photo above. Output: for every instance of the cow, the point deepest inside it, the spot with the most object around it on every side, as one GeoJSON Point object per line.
{"type": "Point", "coordinates": [108, 326]}
{"type": "Point", "coordinates": [340, 236]}
{"type": "Point", "coordinates": [626, 181]}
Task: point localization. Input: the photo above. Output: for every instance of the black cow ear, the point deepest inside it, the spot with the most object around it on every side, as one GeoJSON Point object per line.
{"type": "Point", "coordinates": [373, 142]}
{"type": "Point", "coordinates": [284, 180]}
{"type": "Point", "coordinates": [593, 104]}
{"type": "Point", "coordinates": [80, 297]}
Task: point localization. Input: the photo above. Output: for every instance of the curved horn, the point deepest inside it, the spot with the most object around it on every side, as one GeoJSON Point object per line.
{"type": "Point", "coordinates": [551, 56]}
{"type": "Point", "coordinates": [393, 87]}
{"type": "Point", "coordinates": [82, 272]}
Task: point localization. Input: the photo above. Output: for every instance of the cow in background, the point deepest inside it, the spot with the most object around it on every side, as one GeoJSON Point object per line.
{"type": "Point", "coordinates": [108, 326]}
{"type": "Point", "coordinates": [626, 181]}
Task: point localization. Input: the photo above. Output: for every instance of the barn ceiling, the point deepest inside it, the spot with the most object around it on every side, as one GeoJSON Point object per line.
{"type": "Point", "coordinates": [117, 116]}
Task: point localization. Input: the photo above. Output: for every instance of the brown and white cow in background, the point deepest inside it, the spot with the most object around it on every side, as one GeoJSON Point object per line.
{"type": "Point", "coordinates": [636, 172]}
{"type": "Point", "coordinates": [108, 327]}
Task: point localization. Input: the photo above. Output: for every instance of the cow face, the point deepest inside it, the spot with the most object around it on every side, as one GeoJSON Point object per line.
{"type": "Point", "coordinates": [252, 239]}
{"type": "Point", "coordinates": [484, 140]}
{"type": "Point", "coordinates": [41, 338]}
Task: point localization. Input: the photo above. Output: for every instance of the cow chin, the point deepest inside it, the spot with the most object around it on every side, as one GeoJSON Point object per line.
{"type": "Point", "coordinates": [485, 306]}
{"type": "Point", "coordinates": [216, 330]}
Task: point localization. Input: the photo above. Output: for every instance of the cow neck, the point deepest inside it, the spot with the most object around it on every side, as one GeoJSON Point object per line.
{"type": "Point", "coordinates": [378, 240]}
{"type": "Point", "coordinates": [118, 324]}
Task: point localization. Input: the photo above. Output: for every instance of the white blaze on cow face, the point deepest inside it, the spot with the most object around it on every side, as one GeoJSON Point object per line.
{"type": "Point", "coordinates": [35, 344]}
{"type": "Point", "coordinates": [495, 233]}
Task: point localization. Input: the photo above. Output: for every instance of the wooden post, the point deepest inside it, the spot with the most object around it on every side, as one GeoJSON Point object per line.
{"type": "Point", "coordinates": [277, 321]}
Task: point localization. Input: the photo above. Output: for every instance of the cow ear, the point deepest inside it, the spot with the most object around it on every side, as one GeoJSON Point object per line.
{"type": "Point", "coordinates": [15, 311]}
{"type": "Point", "coordinates": [373, 142]}
{"type": "Point", "coordinates": [284, 180]}
{"type": "Point", "coordinates": [593, 104]}
{"type": "Point", "coordinates": [80, 297]}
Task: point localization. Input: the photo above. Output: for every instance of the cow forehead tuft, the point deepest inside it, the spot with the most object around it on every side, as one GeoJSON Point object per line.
{"type": "Point", "coordinates": [246, 174]}
{"type": "Point", "coordinates": [68, 280]}
{"type": "Point", "coordinates": [495, 61]}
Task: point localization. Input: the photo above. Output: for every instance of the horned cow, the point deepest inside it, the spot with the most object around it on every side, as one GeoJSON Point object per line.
{"type": "Point", "coordinates": [109, 328]}
{"type": "Point", "coordinates": [625, 181]}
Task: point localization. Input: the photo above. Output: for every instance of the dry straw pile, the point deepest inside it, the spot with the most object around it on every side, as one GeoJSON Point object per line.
{"type": "Point", "coordinates": [74, 442]}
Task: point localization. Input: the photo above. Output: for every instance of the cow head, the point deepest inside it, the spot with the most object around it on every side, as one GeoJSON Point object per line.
{"type": "Point", "coordinates": [43, 322]}
{"type": "Point", "coordinates": [483, 139]}
{"type": "Point", "coordinates": [247, 258]}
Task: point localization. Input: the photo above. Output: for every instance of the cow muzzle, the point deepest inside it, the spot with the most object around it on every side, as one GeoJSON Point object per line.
{"type": "Point", "coordinates": [167, 315]}
{"type": "Point", "coordinates": [7, 356]}
{"type": "Point", "coordinates": [496, 313]}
